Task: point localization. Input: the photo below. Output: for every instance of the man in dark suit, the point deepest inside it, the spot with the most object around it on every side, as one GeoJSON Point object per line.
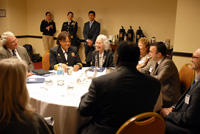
{"type": "Point", "coordinates": [114, 98]}
{"type": "Point", "coordinates": [64, 53]}
{"type": "Point", "coordinates": [184, 117]}
{"type": "Point", "coordinates": [10, 48]}
{"type": "Point", "coordinates": [90, 32]}
{"type": "Point", "coordinates": [163, 68]}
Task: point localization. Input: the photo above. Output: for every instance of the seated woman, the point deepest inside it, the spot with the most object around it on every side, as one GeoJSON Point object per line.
{"type": "Point", "coordinates": [64, 53]}
{"type": "Point", "coordinates": [144, 46]}
{"type": "Point", "coordinates": [16, 115]}
{"type": "Point", "coordinates": [102, 56]}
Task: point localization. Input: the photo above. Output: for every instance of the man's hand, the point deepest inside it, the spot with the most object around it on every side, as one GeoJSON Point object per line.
{"type": "Point", "coordinates": [165, 111]}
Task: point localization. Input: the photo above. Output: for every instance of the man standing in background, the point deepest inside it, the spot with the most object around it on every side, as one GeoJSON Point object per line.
{"type": "Point", "coordinates": [90, 32]}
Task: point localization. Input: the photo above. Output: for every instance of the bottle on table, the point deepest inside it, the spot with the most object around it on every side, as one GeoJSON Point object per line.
{"type": "Point", "coordinates": [60, 75]}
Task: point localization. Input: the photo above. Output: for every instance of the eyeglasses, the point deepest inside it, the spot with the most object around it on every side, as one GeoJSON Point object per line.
{"type": "Point", "coordinates": [16, 40]}
{"type": "Point", "coordinates": [194, 57]}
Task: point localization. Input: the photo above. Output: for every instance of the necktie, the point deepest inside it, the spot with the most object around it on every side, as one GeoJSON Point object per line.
{"type": "Point", "coordinates": [90, 24]}
{"type": "Point", "coordinates": [66, 55]}
{"type": "Point", "coordinates": [13, 52]}
{"type": "Point", "coordinates": [156, 65]}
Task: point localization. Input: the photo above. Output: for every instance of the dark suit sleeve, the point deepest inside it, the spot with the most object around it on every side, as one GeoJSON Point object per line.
{"type": "Point", "coordinates": [96, 33]}
{"type": "Point", "coordinates": [78, 60]}
{"type": "Point", "coordinates": [109, 59]}
{"type": "Point", "coordinates": [88, 104]}
{"type": "Point", "coordinates": [189, 114]}
{"type": "Point", "coordinates": [85, 33]}
{"type": "Point", "coordinates": [52, 59]}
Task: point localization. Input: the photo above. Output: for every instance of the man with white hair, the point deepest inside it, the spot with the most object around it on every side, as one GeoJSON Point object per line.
{"type": "Point", "coordinates": [184, 117]}
{"type": "Point", "coordinates": [10, 49]}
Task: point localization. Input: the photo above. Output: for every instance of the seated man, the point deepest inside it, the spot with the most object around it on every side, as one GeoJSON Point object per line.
{"type": "Point", "coordinates": [163, 68]}
{"type": "Point", "coordinates": [64, 53]}
{"type": "Point", "coordinates": [184, 117]}
{"type": "Point", "coordinates": [102, 56]}
{"type": "Point", "coordinates": [10, 49]}
{"type": "Point", "coordinates": [114, 98]}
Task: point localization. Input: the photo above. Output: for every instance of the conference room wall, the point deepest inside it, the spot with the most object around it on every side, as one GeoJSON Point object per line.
{"type": "Point", "coordinates": [156, 17]}
{"type": "Point", "coordinates": [187, 30]}
{"type": "Point", "coordinates": [16, 18]}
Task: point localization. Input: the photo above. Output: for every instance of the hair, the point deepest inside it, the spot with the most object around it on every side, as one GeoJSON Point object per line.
{"type": "Point", "coordinates": [14, 96]}
{"type": "Point", "coordinates": [47, 13]}
{"type": "Point", "coordinates": [62, 36]}
{"type": "Point", "coordinates": [127, 54]}
{"type": "Point", "coordinates": [105, 41]}
{"type": "Point", "coordinates": [161, 47]}
{"type": "Point", "coordinates": [70, 13]}
{"type": "Point", "coordinates": [93, 12]}
{"type": "Point", "coordinates": [145, 41]}
{"type": "Point", "coordinates": [4, 37]}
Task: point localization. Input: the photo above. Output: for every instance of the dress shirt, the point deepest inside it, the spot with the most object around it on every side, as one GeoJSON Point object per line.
{"type": "Point", "coordinates": [65, 53]}
{"type": "Point", "coordinates": [16, 53]}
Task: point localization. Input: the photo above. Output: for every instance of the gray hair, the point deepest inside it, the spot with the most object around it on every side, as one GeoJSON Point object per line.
{"type": "Point", "coordinates": [105, 41]}
{"type": "Point", "coordinates": [4, 37]}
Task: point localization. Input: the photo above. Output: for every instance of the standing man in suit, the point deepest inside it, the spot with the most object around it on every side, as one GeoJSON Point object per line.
{"type": "Point", "coordinates": [64, 53]}
{"type": "Point", "coordinates": [10, 49]}
{"type": "Point", "coordinates": [184, 117]}
{"type": "Point", "coordinates": [90, 32]}
{"type": "Point", "coordinates": [114, 98]}
{"type": "Point", "coordinates": [71, 26]}
{"type": "Point", "coordinates": [163, 68]}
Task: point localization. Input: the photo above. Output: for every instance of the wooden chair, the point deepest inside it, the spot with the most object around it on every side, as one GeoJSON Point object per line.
{"type": "Point", "coordinates": [45, 61]}
{"type": "Point", "coordinates": [186, 75]}
{"type": "Point", "coordinates": [144, 123]}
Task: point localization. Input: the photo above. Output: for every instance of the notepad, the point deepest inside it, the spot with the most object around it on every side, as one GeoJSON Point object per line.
{"type": "Point", "coordinates": [35, 80]}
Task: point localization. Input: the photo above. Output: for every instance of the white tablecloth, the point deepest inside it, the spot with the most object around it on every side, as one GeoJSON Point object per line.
{"type": "Point", "coordinates": [61, 102]}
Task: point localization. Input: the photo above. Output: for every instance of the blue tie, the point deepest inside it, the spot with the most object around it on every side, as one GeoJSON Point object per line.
{"type": "Point", "coordinates": [90, 24]}
{"type": "Point", "coordinates": [13, 51]}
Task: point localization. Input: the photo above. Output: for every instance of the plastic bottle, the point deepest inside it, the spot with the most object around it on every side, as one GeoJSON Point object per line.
{"type": "Point", "coordinates": [60, 75]}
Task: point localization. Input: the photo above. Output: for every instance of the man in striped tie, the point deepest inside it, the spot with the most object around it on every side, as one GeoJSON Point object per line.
{"type": "Point", "coordinates": [184, 117]}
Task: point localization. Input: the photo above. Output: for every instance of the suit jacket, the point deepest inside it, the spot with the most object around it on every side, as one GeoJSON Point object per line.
{"type": "Point", "coordinates": [91, 33]}
{"type": "Point", "coordinates": [168, 75]}
{"type": "Point", "coordinates": [5, 53]}
{"type": "Point", "coordinates": [114, 98]}
{"type": "Point", "coordinates": [108, 58]}
{"type": "Point", "coordinates": [72, 29]}
{"type": "Point", "coordinates": [56, 56]}
{"type": "Point", "coordinates": [185, 118]}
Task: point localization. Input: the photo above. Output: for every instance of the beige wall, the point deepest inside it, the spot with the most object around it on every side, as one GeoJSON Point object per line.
{"type": "Point", "coordinates": [156, 17]}
{"type": "Point", "coordinates": [187, 30]}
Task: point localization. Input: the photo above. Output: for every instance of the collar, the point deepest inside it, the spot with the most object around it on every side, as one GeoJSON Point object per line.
{"type": "Point", "coordinates": [102, 54]}
{"type": "Point", "coordinates": [64, 50]}
{"type": "Point", "coordinates": [10, 50]}
{"type": "Point", "coordinates": [160, 61]}
{"type": "Point", "coordinates": [197, 78]}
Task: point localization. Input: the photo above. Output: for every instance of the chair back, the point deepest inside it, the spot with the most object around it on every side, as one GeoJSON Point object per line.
{"type": "Point", "coordinates": [186, 75]}
{"type": "Point", "coordinates": [45, 61]}
{"type": "Point", "coordinates": [144, 123]}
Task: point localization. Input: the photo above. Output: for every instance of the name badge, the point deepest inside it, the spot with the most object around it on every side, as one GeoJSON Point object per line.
{"type": "Point", "coordinates": [187, 98]}
{"type": "Point", "coordinates": [150, 69]}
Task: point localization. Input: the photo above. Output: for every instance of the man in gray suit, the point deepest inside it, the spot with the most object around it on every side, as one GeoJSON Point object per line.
{"type": "Point", "coordinates": [184, 117]}
{"type": "Point", "coordinates": [163, 68]}
{"type": "Point", "coordinates": [10, 49]}
{"type": "Point", "coordinates": [90, 32]}
{"type": "Point", "coordinates": [114, 98]}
